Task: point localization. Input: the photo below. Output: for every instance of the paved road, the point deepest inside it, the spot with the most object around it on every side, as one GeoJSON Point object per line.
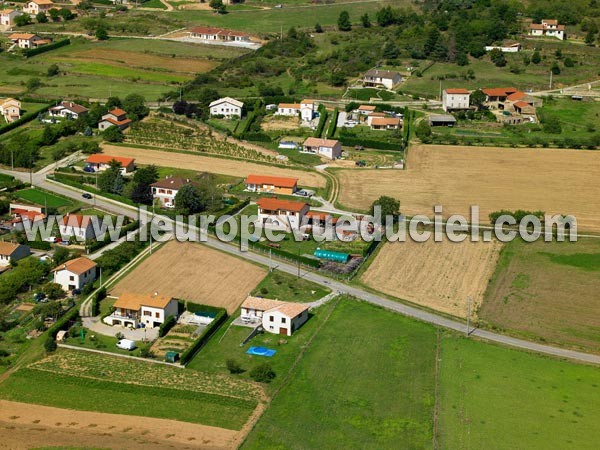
{"type": "Point", "coordinates": [119, 208]}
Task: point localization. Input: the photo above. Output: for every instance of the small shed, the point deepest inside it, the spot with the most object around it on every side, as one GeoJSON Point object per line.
{"type": "Point", "coordinates": [332, 256]}
{"type": "Point", "coordinates": [171, 357]}
{"type": "Point", "coordinates": [442, 120]}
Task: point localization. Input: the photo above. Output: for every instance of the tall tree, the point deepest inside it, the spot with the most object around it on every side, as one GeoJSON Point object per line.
{"type": "Point", "coordinates": [344, 21]}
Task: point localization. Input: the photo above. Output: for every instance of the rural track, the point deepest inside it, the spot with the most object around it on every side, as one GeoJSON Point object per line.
{"type": "Point", "coordinates": [115, 207]}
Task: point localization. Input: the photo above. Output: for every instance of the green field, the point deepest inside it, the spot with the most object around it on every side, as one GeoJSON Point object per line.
{"type": "Point", "coordinates": [283, 286]}
{"type": "Point", "coordinates": [92, 382]}
{"type": "Point", "coordinates": [496, 398]}
{"type": "Point", "coordinates": [367, 381]}
{"type": "Point", "coordinates": [40, 197]}
{"type": "Point", "coordinates": [547, 292]}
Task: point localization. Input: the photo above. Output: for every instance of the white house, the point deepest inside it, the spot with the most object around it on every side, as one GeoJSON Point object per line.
{"type": "Point", "coordinates": [147, 310]}
{"type": "Point", "coordinates": [548, 27]}
{"type": "Point", "coordinates": [281, 214]}
{"type": "Point", "coordinates": [10, 251]}
{"type": "Point", "coordinates": [270, 184]}
{"type": "Point", "coordinates": [453, 99]}
{"type": "Point", "coordinates": [330, 148]}
{"type": "Point", "coordinates": [115, 117]}
{"type": "Point", "coordinates": [228, 107]}
{"type": "Point", "coordinates": [10, 109]}
{"type": "Point", "coordinates": [27, 40]}
{"type": "Point", "coordinates": [512, 48]}
{"type": "Point", "coordinates": [165, 190]}
{"type": "Point", "coordinates": [7, 18]}
{"type": "Point", "coordinates": [24, 216]}
{"type": "Point", "coordinates": [379, 78]}
{"type": "Point", "coordinates": [275, 316]}
{"type": "Point", "coordinates": [100, 162]}
{"type": "Point", "coordinates": [365, 110]}
{"type": "Point", "coordinates": [308, 109]}
{"type": "Point", "coordinates": [68, 110]}
{"type": "Point", "coordinates": [288, 109]}
{"type": "Point", "coordinates": [36, 6]}
{"type": "Point", "coordinates": [218, 34]}
{"type": "Point", "coordinates": [386, 123]}
{"type": "Point", "coordinates": [75, 273]}
{"type": "Point", "coordinates": [78, 226]}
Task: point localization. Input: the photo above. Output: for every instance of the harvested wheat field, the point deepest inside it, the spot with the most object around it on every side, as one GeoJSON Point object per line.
{"type": "Point", "coordinates": [438, 275]}
{"type": "Point", "coordinates": [25, 426]}
{"type": "Point", "coordinates": [236, 168]}
{"type": "Point", "coordinates": [555, 181]}
{"type": "Point", "coordinates": [194, 272]}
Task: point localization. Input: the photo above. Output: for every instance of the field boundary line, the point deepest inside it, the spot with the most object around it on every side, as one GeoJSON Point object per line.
{"type": "Point", "coordinates": [436, 403]}
{"type": "Point", "coordinates": [118, 355]}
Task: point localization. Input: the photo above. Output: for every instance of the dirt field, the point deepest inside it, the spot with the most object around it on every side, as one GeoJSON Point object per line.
{"type": "Point", "coordinates": [143, 60]}
{"type": "Point", "coordinates": [194, 272]}
{"type": "Point", "coordinates": [549, 291]}
{"type": "Point", "coordinates": [215, 165]}
{"type": "Point", "coordinates": [25, 426]}
{"type": "Point", "coordinates": [439, 275]}
{"type": "Point", "coordinates": [555, 181]}
{"type": "Point", "coordinates": [277, 123]}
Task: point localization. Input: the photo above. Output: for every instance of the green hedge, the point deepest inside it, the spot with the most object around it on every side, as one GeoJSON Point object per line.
{"type": "Point", "coordinates": [187, 355]}
{"type": "Point", "coordinates": [333, 124]}
{"type": "Point", "coordinates": [277, 251]}
{"type": "Point", "coordinates": [46, 48]}
{"type": "Point", "coordinates": [351, 141]}
{"type": "Point", "coordinates": [322, 120]}
{"type": "Point", "coordinates": [98, 297]}
{"type": "Point", "coordinates": [39, 245]}
{"type": "Point", "coordinates": [68, 180]}
{"type": "Point", "coordinates": [60, 324]}
{"type": "Point", "coordinates": [24, 119]}
{"type": "Point", "coordinates": [169, 323]}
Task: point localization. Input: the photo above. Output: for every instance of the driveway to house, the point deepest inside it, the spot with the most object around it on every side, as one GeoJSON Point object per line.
{"type": "Point", "coordinates": [138, 334]}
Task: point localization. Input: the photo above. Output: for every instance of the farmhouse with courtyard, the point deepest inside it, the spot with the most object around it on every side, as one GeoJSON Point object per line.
{"type": "Point", "coordinates": [34, 7]}
{"type": "Point", "coordinates": [272, 185]}
{"type": "Point", "coordinates": [75, 273]}
{"type": "Point", "coordinates": [27, 40]}
{"type": "Point", "coordinates": [100, 162]}
{"type": "Point", "coordinates": [548, 27]}
{"type": "Point", "coordinates": [330, 148]}
{"type": "Point", "coordinates": [10, 109]}
{"type": "Point", "coordinates": [11, 252]}
{"type": "Point", "coordinates": [275, 316]}
{"type": "Point", "coordinates": [226, 107]}
{"type": "Point", "coordinates": [146, 310]}
{"type": "Point", "coordinates": [281, 214]}
{"type": "Point", "coordinates": [381, 78]}
{"type": "Point", "coordinates": [115, 117]}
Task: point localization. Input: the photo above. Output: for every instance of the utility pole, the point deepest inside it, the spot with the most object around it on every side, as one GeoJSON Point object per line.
{"type": "Point", "coordinates": [270, 260]}
{"type": "Point", "coordinates": [150, 230]}
{"type": "Point", "coordinates": [468, 316]}
{"type": "Point", "coordinates": [551, 73]}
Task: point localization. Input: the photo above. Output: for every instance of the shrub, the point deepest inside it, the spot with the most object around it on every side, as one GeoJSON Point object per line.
{"type": "Point", "coordinates": [164, 328]}
{"type": "Point", "coordinates": [233, 366]}
{"type": "Point", "coordinates": [263, 373]}
{"type": "Point", "coordinates": [45, 48]}
{"type": "Point", "coordinates": [50, 344]}
{"type": "Point", "coordinates": [100, 295]}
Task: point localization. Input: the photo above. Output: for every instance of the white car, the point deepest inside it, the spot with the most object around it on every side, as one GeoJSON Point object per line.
{"type": "Point", "coordinates": [51, 239]}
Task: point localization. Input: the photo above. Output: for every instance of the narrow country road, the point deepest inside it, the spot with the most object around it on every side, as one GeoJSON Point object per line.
{"type": "Point", "coordinates": [410, 311]}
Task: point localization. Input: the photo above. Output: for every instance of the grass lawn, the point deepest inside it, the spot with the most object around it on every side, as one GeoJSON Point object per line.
{"type": "Point", "coordinates": [41, 197]}
{"type": "Point", "coordinates": [498, 398]}
{"type": "Point", "coordinates": [97, 341]}
{"type": "Point", "coordinates": [367, 381]}
{"type": "Point", "coordinates": [225, 344]}
{"type": "Point", "coordinates": [284, 286]}
{"type": "Point", "coordinates": [92, 382]}
{"type": "Point", "coordinates": [548, 292]}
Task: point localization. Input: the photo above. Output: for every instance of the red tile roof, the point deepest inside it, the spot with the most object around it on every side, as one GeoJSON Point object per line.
{"type": "Point", "coordinates": [98, 158]}
{"type": "Point", "coordinates": [77, 265]}
{"type": "Point", "coordinates": [274, 204]}
{"type": "Point", "coordinates": [76, 220]}
{"type": "Point", "coordinates": [318, 142]}
{"type": "Point", "coordinates": [117, 112]}
{"type": "Point", "coordinates": [516, 96]}
{"type": "Point", "coordinates": [457, 91]}
{"type": "Point", "coordinates": [499, 92]}
{"type": "Point", "coordinates": [275, 181]}
{"type": "Point", "coordinates": [175, 183]}
{"type": "Point", "coordinates": [522, 105]}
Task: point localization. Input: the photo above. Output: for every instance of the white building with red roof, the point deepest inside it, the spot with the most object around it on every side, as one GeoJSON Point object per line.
{"type": "Point", "coordinates": [11, 251]}
{"type": "Point", "coordinates": [7, 18]}
{"type": "Point", "coordinates": [115, 117]}
{"type": "Point", "coordinates": [281, 214]}
{"type": "Point", "coordinates": [75, 273]}
{"type": "Point", "coordinates": [78, 226]}
{"type": "Point", "coordinates": [34, 7]}
{"type": "Point", "coordinates": [10, 109]}
{"type": "Point", "coordinates": [276, 317]}
{"type": "Point", "coordinates": [226, 107]}
{"type": "Point", "coordinates": [218, 34]}
{"type": "Point", "coordinates": [67, 109]}
{"type": "Point", "coordinates": [549, 28]}
{"type": "Point", "coordinates": [100, 162]}
{"type": "Point", "coordinates": [165, 190]}
{"type": "Point", "coordinates": [330, 148]}
{"type": "Point", "coordinates": [27, 40]}
{"type": "Point", "coordinates": [455, 99]}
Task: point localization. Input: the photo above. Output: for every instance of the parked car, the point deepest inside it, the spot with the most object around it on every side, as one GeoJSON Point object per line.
{"type": "Point", "coordinates": [87, 196]}
{"type": "Point", "coordinates": [126, 344]}
{"type": "Point", "coordinates": [39, 297]}
{"type": "Point", "coordinates": [52, 239]}
{"type": "Point", "coordinates": [76, 291]}
{"type": "Point", "coordinates": [88, 169]}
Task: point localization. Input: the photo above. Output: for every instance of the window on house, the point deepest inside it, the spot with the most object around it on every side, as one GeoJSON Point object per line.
{"type": "Point", "coordinates": [71, 278]}
{"type": "Point", "coordinates": [157, 315]}
{"type": "Point", "coordinates": [271, 319]}
{"type": "Point", "coordinates": [147, 313]}
{"type": "Point", "coordinates": [283, 320]}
